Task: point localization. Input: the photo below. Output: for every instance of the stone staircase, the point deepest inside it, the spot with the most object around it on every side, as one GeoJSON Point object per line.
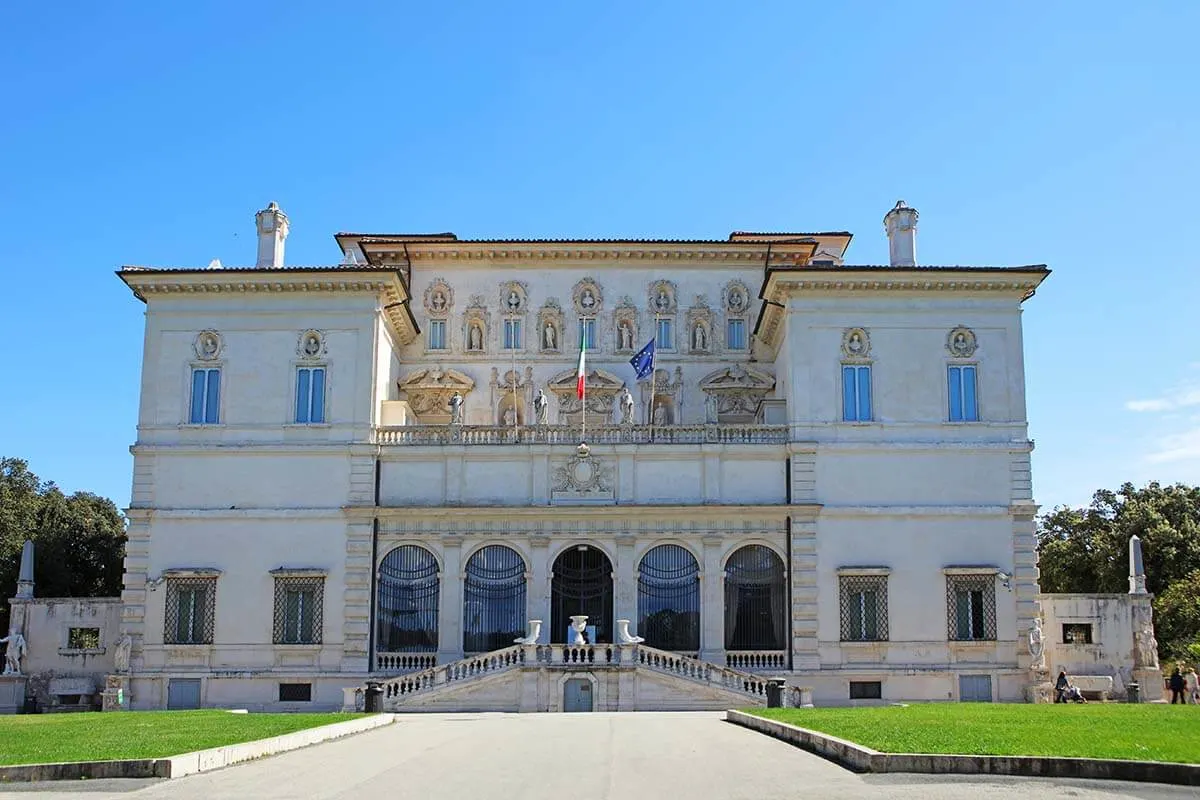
{"type": "Point", "coordinates": [622, 677]}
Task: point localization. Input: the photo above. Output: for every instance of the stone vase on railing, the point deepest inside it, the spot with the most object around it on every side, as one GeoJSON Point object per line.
{"type": "Point", "coordinates": [579, 625]}
{"type": "Point", "coordinates": [535, 630]}
{"type": "Point", "coordinates": [623, 634]}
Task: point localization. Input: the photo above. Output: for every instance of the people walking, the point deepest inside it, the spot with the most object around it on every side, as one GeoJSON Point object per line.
{"type": "Point", "coordinates": [1061, 686]}
{"type": "Point", "coordinates": [1191, 683]}
{"type": "Point", "coordinates": [1177, 685]}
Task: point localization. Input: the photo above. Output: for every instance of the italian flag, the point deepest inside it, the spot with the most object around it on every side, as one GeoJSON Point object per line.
{"type": "Point", "coordinates": [581, 371]}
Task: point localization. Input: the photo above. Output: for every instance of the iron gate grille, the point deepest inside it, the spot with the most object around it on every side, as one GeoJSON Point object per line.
{"type": "Point", "coordinates": [669, 599]}
{"type": "Point", "coordinates": [189, 611]}
{"type": "Point", "coordinates": [755, 599]}
{"type": "Point", "coordinates": [864, 608]}
{"type": "Point", "coordinates": [582, 584]}
{"type": "Point", "coordinates": [493, 599]}
{"type": "Point", "coordinates": [971, 608]}
{"type": "Point", "coordinates": [299, 605]}
{"type": "Point", "coordinates": [406, 602]}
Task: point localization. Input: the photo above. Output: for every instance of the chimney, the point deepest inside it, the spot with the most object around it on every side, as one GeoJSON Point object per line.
{"type": "Point", "coordinates": [901, 226]}
{"type": "Point", "coordinates": [272, 232]}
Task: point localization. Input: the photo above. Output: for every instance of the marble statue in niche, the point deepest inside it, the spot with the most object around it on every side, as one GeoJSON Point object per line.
{"type": "Point", "coordinates": [626, 401]}
{"type": "Point", "coordinates": [475, 336]}
{"type": "Point", "coordinates": [456, 409]}
{"type": "Point", "coordinates": [540, 407]}
{"type": "Point", "coordinates": [549, 337]}
{"type": "Point", "coordinates": [699, 338]}
{"type": "Point", "coordinates": [625, 336]}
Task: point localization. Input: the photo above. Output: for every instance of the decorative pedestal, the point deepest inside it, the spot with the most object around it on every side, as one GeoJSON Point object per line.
{"type": "Point", "coordinates": [12, 693]}
{"type": "Point", "coordinates": [1150, 684]}
{"type": "Point", "coordinates": [115, 696]}
{"type": "Point", "coordinates": [1041, 690]}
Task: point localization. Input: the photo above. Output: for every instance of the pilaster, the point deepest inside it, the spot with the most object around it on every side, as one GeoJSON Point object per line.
{"type": "Point", "coordinates": [1025, 576]}
{"type": "Point", "coordinates": [626, 578]}
{"type": "Point", "coordinates": [356, 596]}
{"type": "Point", "coordinates": [133, 591]}
{"type": "Point", "coordinates": [712, 602]}
{"type": "Point", "coordinates": [538, 602]}
{"type": "Point", "coordinates": [362, 477]}
{"type": "Point", "coordinates": [450, 601]}
{"type": "Point", "coordinates": [803, 575]}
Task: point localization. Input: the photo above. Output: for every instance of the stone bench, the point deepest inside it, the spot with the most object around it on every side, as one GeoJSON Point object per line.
{"type": "Point", "coordinates": [1100, 686]}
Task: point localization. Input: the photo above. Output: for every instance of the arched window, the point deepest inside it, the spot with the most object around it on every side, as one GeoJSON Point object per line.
{"type": "Point", "coordinates": [669, 599]}
{"type": "Point", "coordinates": [755, 600]}
{"type": "Point", "coordinates": [493, 599]}
{"type": "Point", "coordinates": [406, 603]}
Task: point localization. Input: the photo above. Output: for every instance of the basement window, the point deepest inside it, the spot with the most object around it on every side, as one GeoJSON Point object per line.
{"type": "Point", "coordinates": [866, 690]}
{"type": "Point", "coordinates": [1077, 633]}
{"type": "Point", "coordinates": [295, 692]}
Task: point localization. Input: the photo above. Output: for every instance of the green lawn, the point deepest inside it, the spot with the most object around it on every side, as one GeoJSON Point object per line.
{"type": "Point", "coordinates": [1149, 732]}
{"type": "Point", "coordinates": [37, 738]}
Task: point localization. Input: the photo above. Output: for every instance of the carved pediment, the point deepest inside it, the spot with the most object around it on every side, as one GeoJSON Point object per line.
{"type": "Point", "coordinates": [734, 393]}
{"type": "Point", "coordinates": [737, 377]}
{"type": "Point", "coordinates": [429, 391]}
{"type": "Point", "coordinates": [602, 388]}
{"type": "Point", "coordinates": [599, 381]}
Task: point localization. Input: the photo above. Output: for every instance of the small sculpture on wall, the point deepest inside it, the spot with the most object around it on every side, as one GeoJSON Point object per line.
{"type": "Point", "coordinates": [856, 343]}
{"type": "Point", "coordinates": [208, 345]}
{"type": "Point", "coordinates": [541, 406]}
{"type": "Point", "coordinates": [961, 342]}
{"type": "Point", "coordinates": [14, 652]}
{"type": "Point", "coordinates": [456, 409]}
{"type": "Point", "coordinates": [549, 337]}
{"type": "Point", "coordinates": [122, 653]}
{"type": "Point", "coordinates": [311, 344]}
{"type": "Point", "coordinates": [625, 336]}
{"type": "Point", "coordinates": [699, 338]}
{"type": "Point", "coordinates": [626, 402]}
{"type": "Point", "coordinates": [1037, 647]}
{"type": "Point", "coordinates": [475, 337]}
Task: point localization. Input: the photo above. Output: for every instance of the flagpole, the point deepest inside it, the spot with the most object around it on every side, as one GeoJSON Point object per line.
{"type": "Point", "coordinates": [516, 430]}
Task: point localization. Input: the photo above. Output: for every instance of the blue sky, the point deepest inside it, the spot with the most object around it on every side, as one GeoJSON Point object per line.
{"type": "Point", "coordinates": [1058, 133]}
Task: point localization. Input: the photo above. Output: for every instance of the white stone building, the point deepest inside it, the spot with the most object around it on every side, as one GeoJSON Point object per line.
{"type": "Point", "coordinates": [825, 480]}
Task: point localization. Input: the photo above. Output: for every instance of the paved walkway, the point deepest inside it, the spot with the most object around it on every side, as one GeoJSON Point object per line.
{"type": "Point", "coordinates": [572, 757]}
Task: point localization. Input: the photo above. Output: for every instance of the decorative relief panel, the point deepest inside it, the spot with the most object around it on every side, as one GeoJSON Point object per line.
{"type": "Point", "coordinates": [550, 327]}
{"type": "Point", "coordinates": [699, 326]}
{"type": "Point", "coordinates": [208, 345]}
{"type": "Point", "coordinates": [625, 323]}
{"type": "Point", "coordinates": [961, 342]}
{"type": "Point", "coordinates": [662, 297]}
{"type": "Point", "coordinates": [663, 397]}
{"type": "Point", "coordinates": [311, 345]}
{"type": "Point", "coordinates": [588, 298]}
{"type": "Point", "coordinates": [583, 479]}
{"type": "Point", "coordinates": [602, 389]}
{"type": "Point", "coordinates": [439, 298]}
{"type": "Point", "coordinates": [734, 394]}
{"type": "Point", "coordinates": [513, 298]}
{"type": "Point", "coordinates": [475, 326]}
{"type": "Point", "coordinates": [736, 298]}
{"type": "Point", "coordinates": [510, 396]}
{"type": "Point", "coordinates": [856, 343]}
{"type": "Point", "coordinates": [429, 391]}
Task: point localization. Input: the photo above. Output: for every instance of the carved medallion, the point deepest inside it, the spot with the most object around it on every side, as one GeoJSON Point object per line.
{"type": "Point", "coordinates": [856, 343]}
{"type": "Point", "coordinates": [439, 298]}
{"type": "Point", "coordinates": [737, 298]}
{"type": "Point", "coordinates": [961, 342]}
{"type": "Point", "coordinates": [583, 479]}
{"type": "Point", "coordinates": [662, 297]}
{"type": "Point", "coordinates": [588, 299]}
{"type": "Point", "coordinates": [513, 297]}
{"type": "Point", "coordinates": [208, 345]}
{"type": "Point", "coordinates": [311, 344]}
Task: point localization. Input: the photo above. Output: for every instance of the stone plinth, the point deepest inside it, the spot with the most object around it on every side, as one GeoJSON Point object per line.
{"type": "Point", "coordinates": [115, 696]}
{"type": "Point", "coordinates": [12, 693]}
{"type": "Point", "coordinates": [1150, 684]}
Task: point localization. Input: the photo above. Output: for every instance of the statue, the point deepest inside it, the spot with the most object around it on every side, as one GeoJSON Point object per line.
{"type": "Point", "coordinates": [623, 634]}
{"type": "Point", "coordinates": [711, 409]}
{"type": "Point", "coordinates": [514, 301]}
{"type": "Point", "coordinates": [535, 630]}
{"type": "Point", "coordinates": [456, 409]}
{"type": "Point", "coordinates": [549, 337]}
{"type": "Point", "coordinates": [13, 653]}
{"type": "Point", "coordinates": [1146, 655]}
{"type": "Point", "coordinates": [438, 300]}
{"type": "Point", "coordinates": [626, 336]}
{"type": "Point", "coordinates": [510, 417]}
{"type": "Point", "coordinates": [663, 301]}
{"type": "Point", "coordinates": [1037, 645]}
{"type": "Point", "coordinates": [312, 344]}
{"type": "Point", "coordinates": [587, 300]}
{"type": "Point", "coordinates": [699, 338]}
{"type": "Point", "coordinates": [660, 415]}
{"type": "Point", "coordinates": [540, 407]}
{"type": "Point", "coordinates": [735, 301]}
{"type": "Point", "coordinates": [475, 338]}
{"type": "Point", "coordinates": [122, 653]}
{"type": "Point", "coordinates": [626, 406]}
{"type": "Point", "coordinates": [855, 344]}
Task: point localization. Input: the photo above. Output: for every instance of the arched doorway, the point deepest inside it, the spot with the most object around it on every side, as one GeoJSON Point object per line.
{"type": "Point", "coordinates": [755, 600]}
{"type": "Point", "coordinates": [669, 599]}
{"type": "Point", "coordinates": [493, 599]}
{"type": "Point", "coordinates": [406, 602]}
{"type": "Point", "coordinates": [582, 584]}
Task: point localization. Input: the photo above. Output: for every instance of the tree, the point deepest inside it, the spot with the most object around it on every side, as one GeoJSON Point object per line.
{"type": "Point", "coordinates": [1177, 619]}
{"type": "Point", "coordinates": [1087, 550]}
{"type": "Point", "coordinates": [79, 539]}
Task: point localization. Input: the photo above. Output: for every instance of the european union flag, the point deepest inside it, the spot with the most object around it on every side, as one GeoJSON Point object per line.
{"type": "Point", "coordinates": [643, 362]}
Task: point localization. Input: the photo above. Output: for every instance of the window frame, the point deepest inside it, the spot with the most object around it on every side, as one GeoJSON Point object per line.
{"type": "Point", "coordinates": [852, 584]}
{"type": "Point", "coordinates": [960, 366]}
{"type": "Point", "coordinates": [858, 367]}
{"type": "Point", "coordinates": [444, 327]}
{"type": "Point", "coordinates": [298, 582]}
{"type": "Point", "coordinates": [171, 619]}
{"type": "Point", "coordinates": [729, 345]}
{"type": "Point", "coordinates": [324, 367]}
{"type": "Point", "coordinates": [968, 582]}
{"type": "Point", "coordinates": [208, 367]}
{"type": "Point", "coordinates": [518, 340]}
{"type": "Point", "coordinates": [659, 320]}
{"type": "Point", "coordinates": [586, 331]}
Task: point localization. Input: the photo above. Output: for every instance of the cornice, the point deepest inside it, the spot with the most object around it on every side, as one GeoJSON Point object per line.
{"type": "Point", "coordinates": [682, 513]}
{"type": "Point", "coordinates": [787, 254]}
{"type": "Point", "coordinates": [386, 282]}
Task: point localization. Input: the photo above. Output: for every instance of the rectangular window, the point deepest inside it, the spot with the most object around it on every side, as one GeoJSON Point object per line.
{"type": "Point", "coordinates": [856, 392]}
{"type": "Point", "coordinates": [864, 608]}
{"type": "Point", "coordinates": [206, 396]}
{"type": "Point", "coordinates": [1077, 633]}
{"type": "Point", "coordinates": [866, 690]}
{"type": "Point", "coordinates": [587, 333]}
{"type": "Point", "coordinates": [310, 395]}
{"type": "Point", "coordinates": [83, 639]}
{"type": "Point", "coordinates": [512, 334]}
{"type": "Point", "coordinates": [437, 334]}
{"type": "Point", "coordinates": [295, 692]}
{"type": "Point", "coordinates": [664, 338]}
{"type": "Point", "coordinates": [963, 405]}
{"type": "Point", "coordinates": [189, 617]}
{"type": "Point", "coordinates": [735, 334]}
{"type": "Point", "coordinates": [298, 609]}
{"type": "Point", "coordinates": [971, 607]}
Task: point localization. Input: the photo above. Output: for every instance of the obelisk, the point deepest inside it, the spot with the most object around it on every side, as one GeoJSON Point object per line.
{"type": "Point", "coordinates": [1137, 572]}
{"type": "Point", "coordinates": [25, 575]}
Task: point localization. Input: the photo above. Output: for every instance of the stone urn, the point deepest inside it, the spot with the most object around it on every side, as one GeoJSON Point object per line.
{"type": "Point", "coordinates": [623, 634]}
{"type": "Point", "coordinates": [578, 625]}
{"type": "Point", "coordinates": [535, 630]}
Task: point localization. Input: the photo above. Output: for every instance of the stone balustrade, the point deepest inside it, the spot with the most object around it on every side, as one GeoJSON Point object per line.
{"type": "Point", "coordinates": [463, 669]}
{"type": "Point", "coordinates": [757, 660]}
{"type": "Point", "coordinates": [703, 671]}
{"type": "Point", "coordinates": [394, 663]}
{"type": "Point", "coordinates": [438, 435]}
